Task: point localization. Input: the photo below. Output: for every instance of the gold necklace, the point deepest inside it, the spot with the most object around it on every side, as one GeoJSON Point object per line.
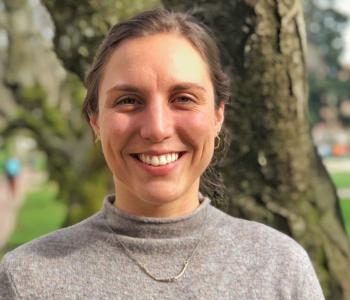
{"type": "Point", "coordinates": [144, 268]}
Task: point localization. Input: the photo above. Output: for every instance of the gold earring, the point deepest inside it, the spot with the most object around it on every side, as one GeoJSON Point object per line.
{"type": "Point", "coordinates": [97, 138]}
{"type": "Point", "coordinates": [217, 142]}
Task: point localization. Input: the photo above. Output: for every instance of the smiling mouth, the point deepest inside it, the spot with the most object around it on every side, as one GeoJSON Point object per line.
{"type": "Point", "coordinates": [158, 160]}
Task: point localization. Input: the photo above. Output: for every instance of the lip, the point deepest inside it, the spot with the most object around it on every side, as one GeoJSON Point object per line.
{"type": "Point", "coordinates": [157, 153]}
{"type": "Point", "coordinates": [158, 170]}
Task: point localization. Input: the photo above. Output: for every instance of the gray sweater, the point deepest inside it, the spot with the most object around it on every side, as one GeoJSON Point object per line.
{"type": "Point", "coordinates": [236, 259]}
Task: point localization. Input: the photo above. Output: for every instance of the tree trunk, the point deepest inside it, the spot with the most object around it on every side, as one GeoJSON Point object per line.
{"type": "Point", "coordinates": [273, 172]}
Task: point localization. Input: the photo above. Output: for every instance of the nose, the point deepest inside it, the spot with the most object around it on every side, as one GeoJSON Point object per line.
{"type": "Point", "coordinates": [157, 122]}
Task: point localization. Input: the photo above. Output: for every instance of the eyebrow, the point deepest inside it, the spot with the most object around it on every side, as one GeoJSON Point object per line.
{"type": "Point", "coordinates": [187, 86]}
{"type": "Point", "coordinates": [123, 87]}
{"type": "Point", "coordinates": [183, 86]}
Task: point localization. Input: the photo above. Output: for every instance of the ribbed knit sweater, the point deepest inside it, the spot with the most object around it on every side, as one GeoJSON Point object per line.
{"type": "Point", "coordinates": [236, 259]}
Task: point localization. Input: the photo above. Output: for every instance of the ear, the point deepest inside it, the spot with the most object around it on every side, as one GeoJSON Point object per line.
{"type": "Point", "coordinates": [93, 120]}
{"type": "Point", "coordinates": [219, 116]}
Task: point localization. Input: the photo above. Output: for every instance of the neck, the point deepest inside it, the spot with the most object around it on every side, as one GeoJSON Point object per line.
{"type": "Point", "coordinates": [172, 206]}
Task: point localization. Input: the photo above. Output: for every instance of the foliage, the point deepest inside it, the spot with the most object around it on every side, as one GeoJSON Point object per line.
{"type": "Point", "coordinates": [328, 87]}
{"type": "Point", "coordinates": [325, 25]}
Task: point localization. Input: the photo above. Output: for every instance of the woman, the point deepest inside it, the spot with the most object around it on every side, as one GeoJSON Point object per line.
{"type": "Point", "coordinates": [155, 99]}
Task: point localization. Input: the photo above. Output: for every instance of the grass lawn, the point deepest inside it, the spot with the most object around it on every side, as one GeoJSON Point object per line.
{"type": "Point", "coordinates": [345, 207]}
{"type": "Point", "coordinates": [341, 179]}
{"type": "Point", "coordinates": [41, 213]}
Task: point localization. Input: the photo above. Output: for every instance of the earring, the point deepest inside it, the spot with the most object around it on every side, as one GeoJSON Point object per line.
{"type": "Point", "coordinates": [97, 139]}
{"type": "Point", "coordinates": [217, 142]}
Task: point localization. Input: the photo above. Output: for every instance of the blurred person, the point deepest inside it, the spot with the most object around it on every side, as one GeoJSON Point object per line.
{"type": "Point", "coordinates": [156, 96]}
{"type": "Point", "coordinates": [12, 168]}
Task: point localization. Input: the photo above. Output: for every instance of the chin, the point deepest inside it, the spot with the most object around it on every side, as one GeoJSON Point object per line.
{"type": "Point", "coordinates": [160, 196]}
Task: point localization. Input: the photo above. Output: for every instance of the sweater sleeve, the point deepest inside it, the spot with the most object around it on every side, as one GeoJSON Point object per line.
{"type": "Point", "coordinates": [7, 288]}
{"type": "Point", "coordinates": [309, 287]}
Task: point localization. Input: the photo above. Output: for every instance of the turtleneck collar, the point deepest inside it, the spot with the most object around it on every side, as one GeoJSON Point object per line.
{"type": "Point", "coordinates": [148, 227]}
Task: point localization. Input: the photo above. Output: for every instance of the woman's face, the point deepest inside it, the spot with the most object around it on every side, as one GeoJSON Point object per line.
{"type": "Point", "coordinates": [157, 122]}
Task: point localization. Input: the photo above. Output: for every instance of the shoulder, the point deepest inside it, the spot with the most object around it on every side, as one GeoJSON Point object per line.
{"type": "Point", "coordinates": [48, 261]}
{"type": "Point", "coordinates": [25, 270]}
{"type": "Point", "coordinates": [7, 287]}
{"type": "Point", "coordinates": [266, 256]}
{"type": "Point", "coordinates": [59, 243]}
{"type": "Point", "coordinates": [258, 243]}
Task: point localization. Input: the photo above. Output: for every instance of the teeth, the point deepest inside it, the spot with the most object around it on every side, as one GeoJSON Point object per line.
{"type": "Point", "coordinates": [160, 160]}
{"type": "Point", "coordinates": [155, 161]}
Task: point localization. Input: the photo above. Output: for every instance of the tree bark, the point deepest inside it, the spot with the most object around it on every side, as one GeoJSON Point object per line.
{"type": "Point", "coordinates": [273, 172]}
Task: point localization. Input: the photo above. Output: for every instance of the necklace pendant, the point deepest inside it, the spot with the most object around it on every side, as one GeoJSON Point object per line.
{"type": "Point", "coordinates": [144, 268]}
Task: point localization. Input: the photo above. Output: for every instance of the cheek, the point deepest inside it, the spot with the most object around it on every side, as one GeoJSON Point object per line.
{"type": "Point", "coordinates": [115, 127]}
{"type": "Point", "coordinates": [116, 130]}
{"type": "Point", "coordinates": [199, 128]}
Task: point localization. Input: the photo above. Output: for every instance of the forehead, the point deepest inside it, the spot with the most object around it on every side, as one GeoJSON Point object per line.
{"type": "Point", "coordinates": [160, 57]}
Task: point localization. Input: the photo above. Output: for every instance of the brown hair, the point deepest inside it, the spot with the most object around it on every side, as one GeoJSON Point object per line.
{"type": "Point", "coordinates": [162, 21]}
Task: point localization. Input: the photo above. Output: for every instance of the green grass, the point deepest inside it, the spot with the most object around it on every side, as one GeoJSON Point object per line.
{"type": "Point", "coordinates": [345, 207]}
{"type": "Point", "coordinates": [41, 213]}
{"type": "Point", "coordinates": [341, 179]}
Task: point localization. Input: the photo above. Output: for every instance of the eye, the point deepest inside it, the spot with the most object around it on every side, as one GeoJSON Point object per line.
{"type": "Point", "coordinates": [127, 101]}
{"type": "Point", "coordinates": [183, 99]}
